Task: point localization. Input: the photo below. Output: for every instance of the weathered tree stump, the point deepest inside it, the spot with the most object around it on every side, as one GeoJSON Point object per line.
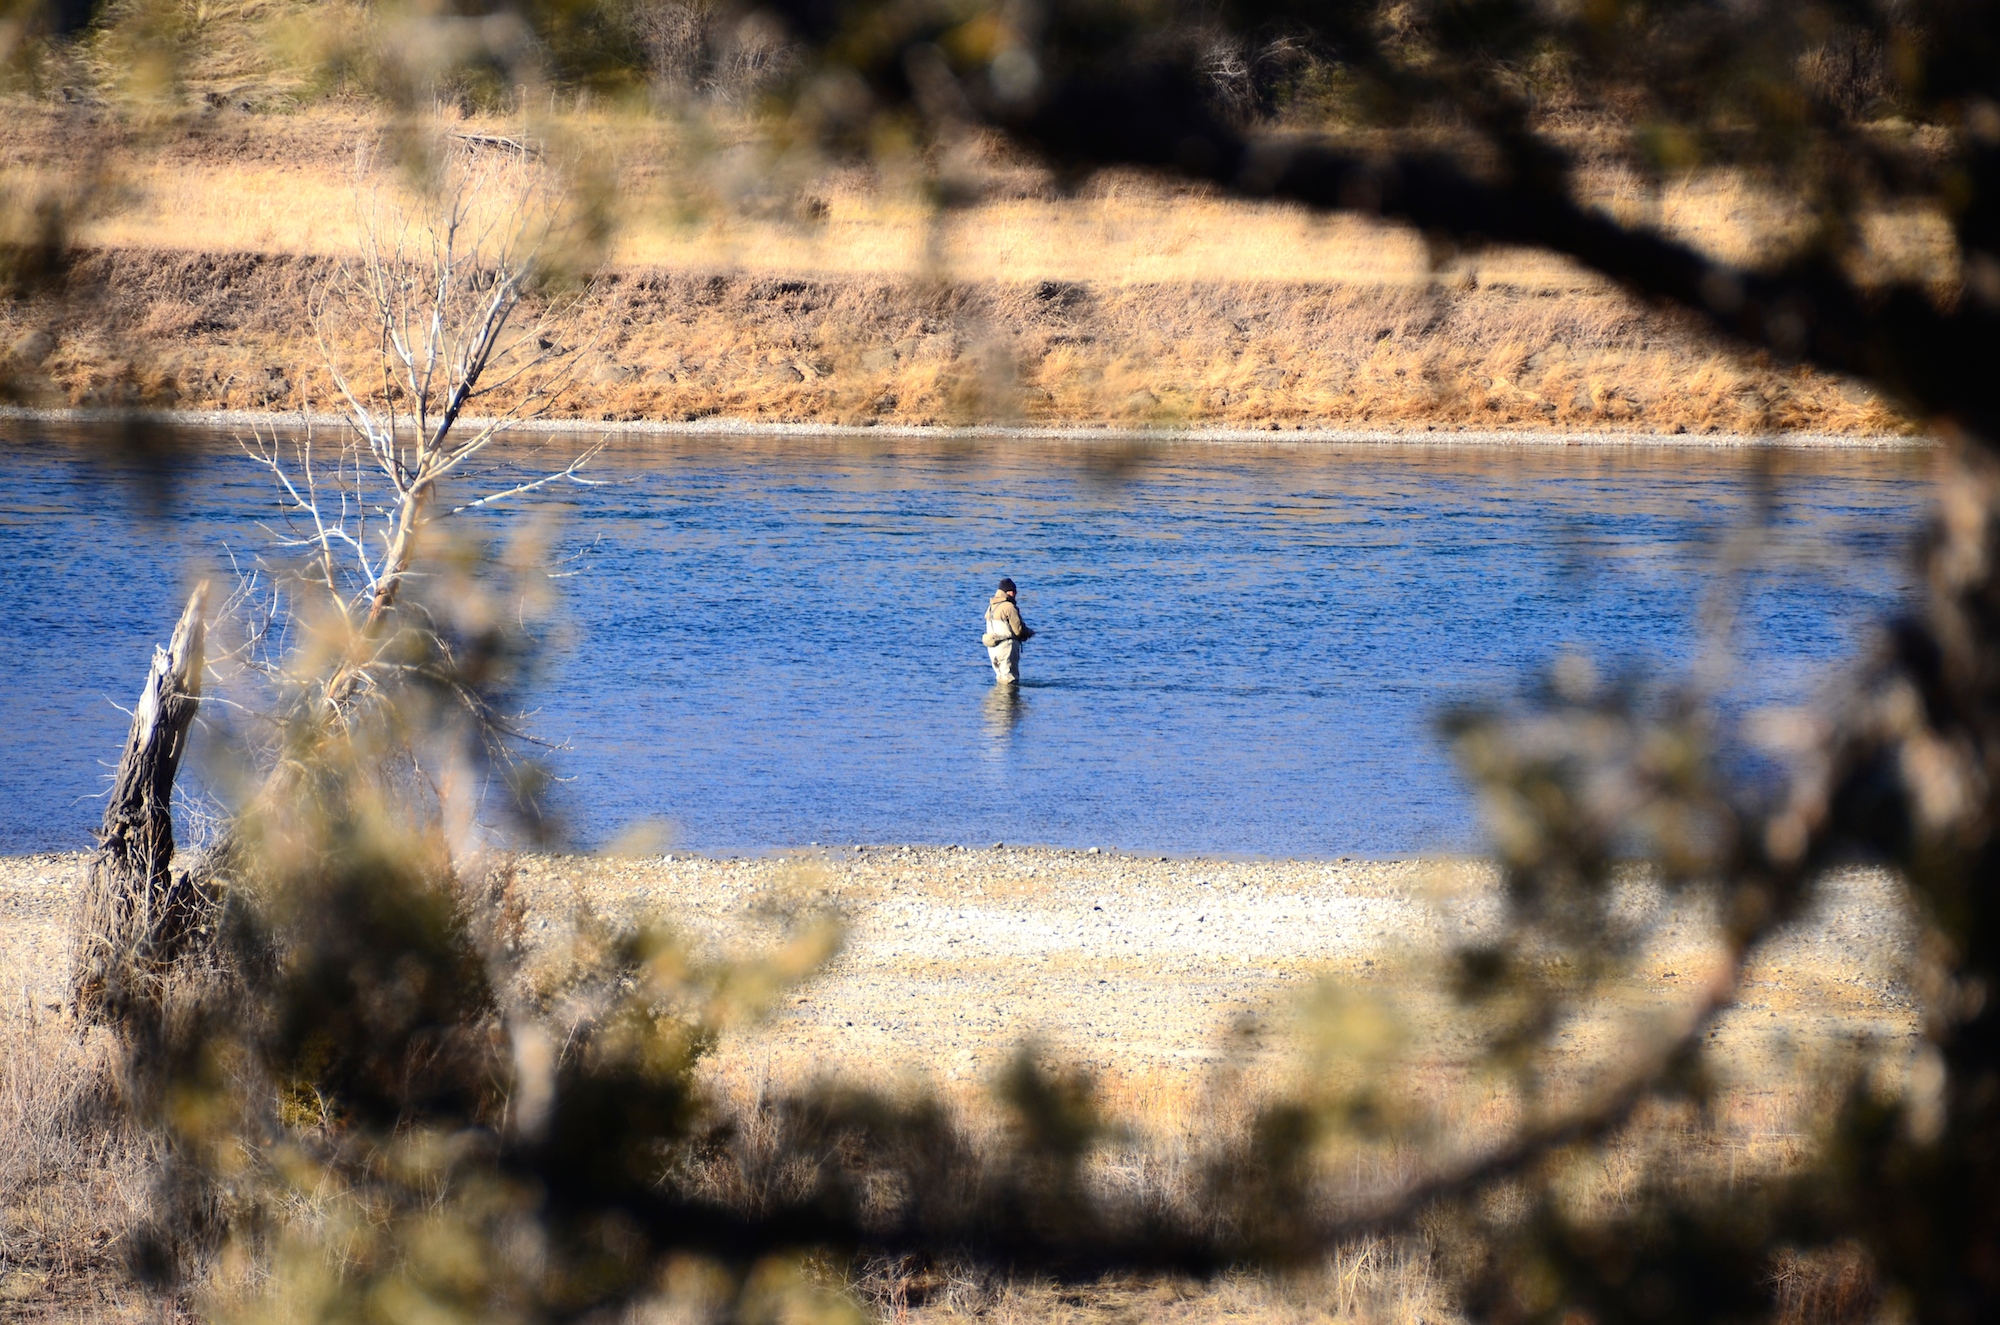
{"type": "Point", "coordinates": [137, 917]}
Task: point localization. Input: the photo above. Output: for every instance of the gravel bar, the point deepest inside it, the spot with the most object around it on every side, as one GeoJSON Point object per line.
{"type": "Point", "coordinates": [954, 957]}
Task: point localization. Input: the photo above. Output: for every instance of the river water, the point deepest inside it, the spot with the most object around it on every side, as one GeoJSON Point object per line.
{"type": "Point", "coordinates": [1243, 648]}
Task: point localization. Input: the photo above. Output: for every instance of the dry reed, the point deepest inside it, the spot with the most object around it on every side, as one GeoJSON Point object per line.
{"type": "Point", "coordinates": [72, 1179]}
{"type": "Point", "coordinates": [225, 331]}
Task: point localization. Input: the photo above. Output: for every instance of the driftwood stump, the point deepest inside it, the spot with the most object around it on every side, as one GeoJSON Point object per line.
{"type": "Point", "coordinates": [137, 916]}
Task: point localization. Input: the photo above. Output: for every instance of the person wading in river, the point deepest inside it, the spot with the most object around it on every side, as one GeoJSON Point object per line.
{"type": "Point", "coordinates": [1005, 633]}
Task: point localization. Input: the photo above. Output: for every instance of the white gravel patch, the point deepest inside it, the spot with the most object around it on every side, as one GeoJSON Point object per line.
{"type": "Point", "coordinates": [953, 958]}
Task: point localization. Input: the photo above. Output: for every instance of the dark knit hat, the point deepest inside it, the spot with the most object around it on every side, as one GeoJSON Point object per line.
{"type": "Point", "coordinates": [1006, 586]}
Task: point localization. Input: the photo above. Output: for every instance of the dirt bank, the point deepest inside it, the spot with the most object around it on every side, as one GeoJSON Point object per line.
{"type": "Point", "coordinates": [227, 331]}
{"type": "Point", "coordinates": [846, 298]}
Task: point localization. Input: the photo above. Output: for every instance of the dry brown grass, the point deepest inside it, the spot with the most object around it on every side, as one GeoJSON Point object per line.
{"type": "Point", "coordinates": [226, 182]}
{"type": "Point", "coordinates": [1761, 1128]}
{"type": "Point", "coordinates": [1130, 302]}
{"type": "Point", "coordinates": [72, 1181]}
{"type": "Point", "coordinates": [1781, 1059]}
{"type": "Point", "coordinates": [226, 331]}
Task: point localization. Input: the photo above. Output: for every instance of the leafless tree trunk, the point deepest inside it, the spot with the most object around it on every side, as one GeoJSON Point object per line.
{"type": "Point", "coordinates": [435, 317]}
{"type": "Point", "coordinates": [137, 916]}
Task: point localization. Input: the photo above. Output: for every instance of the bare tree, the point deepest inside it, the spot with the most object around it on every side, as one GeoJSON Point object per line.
{"type": "Point", "coordinates": [450, 309]}
{"type": "Point", "coordinates": [448, 330]}
{"type": "Point", "coordinates": [702, 49]}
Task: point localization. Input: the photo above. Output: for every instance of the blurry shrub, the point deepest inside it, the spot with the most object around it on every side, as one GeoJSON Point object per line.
{"type": "Point", "coordinates": [699, 50]}
{"type": "Point", "coordinates": [374, 1111]}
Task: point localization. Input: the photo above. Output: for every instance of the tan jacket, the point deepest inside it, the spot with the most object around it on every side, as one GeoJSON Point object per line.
{"type": "Point", "coordinates": [1003, 621]}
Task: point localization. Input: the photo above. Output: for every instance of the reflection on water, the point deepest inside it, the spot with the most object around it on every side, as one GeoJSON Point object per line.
{"type": "Point", "coordinates": [1003, 714]}
{"type": "Point", "coordinates": [1004, 710]}
{"type": "Point", "coordinates": [774, 641]}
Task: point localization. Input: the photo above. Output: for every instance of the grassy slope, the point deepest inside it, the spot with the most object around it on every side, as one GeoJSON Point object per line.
{"type": "Point", "coordinates": [1129, 302]}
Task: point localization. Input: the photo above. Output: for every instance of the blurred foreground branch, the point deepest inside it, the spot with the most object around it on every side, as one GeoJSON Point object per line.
{"type": "Point", "coordinates": [396, 1112]}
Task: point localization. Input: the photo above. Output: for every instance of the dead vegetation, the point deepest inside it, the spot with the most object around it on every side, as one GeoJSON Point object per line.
{"type": "Point", "coordinates": [73, 1180]}
{"type": "Point", "coordinates": [841, 299]}
{"type": "Point", "coordinates": [199, 331]}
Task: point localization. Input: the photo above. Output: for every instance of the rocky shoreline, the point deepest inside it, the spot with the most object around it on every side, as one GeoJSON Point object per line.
{"type": "Point", "coordinates": [1414, 434]}
{"type": "Point", "coordinates": [1133, 965]}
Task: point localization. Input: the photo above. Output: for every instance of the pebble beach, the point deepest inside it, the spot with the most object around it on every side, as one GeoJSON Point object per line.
{"type": "Point", "coordinates": [952, 958]}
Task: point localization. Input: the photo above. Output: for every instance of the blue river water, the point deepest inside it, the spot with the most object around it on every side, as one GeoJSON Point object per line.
{"type": "Point", "coordinates": [1243, 648]}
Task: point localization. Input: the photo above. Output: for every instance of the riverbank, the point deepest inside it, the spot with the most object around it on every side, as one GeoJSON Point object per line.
{"type": "Point", "coordinates": [1140, 967]}
{"type": "Point", "coordinates": [1426, 435]}
{"type": "Point", "coordinates": [227, 331]}
{"type": "Point", "coordinates": [1127, 301]}
{"type": "Point", "coordinates": [1178, 984]}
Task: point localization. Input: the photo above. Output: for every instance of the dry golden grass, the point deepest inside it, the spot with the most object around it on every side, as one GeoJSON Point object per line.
{"type": "Point", "coordinates": [1131, 302]}
{"type": "Point", "coordinates": [207, 331]}
{"type": "Point", "coordinates": [71, 1181]}
{"type": "Point", "coordinates": [225, 182]}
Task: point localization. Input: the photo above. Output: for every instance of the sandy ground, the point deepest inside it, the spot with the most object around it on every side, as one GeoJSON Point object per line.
{"type": "Point", "coordinates": [37, 899]}
{"type": "Point", "coordinates": [1148, 969]}
{"type": "Point", "coordinates": [953, 958]}
{"type": "Point", "coordinates": [1170, 978]}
